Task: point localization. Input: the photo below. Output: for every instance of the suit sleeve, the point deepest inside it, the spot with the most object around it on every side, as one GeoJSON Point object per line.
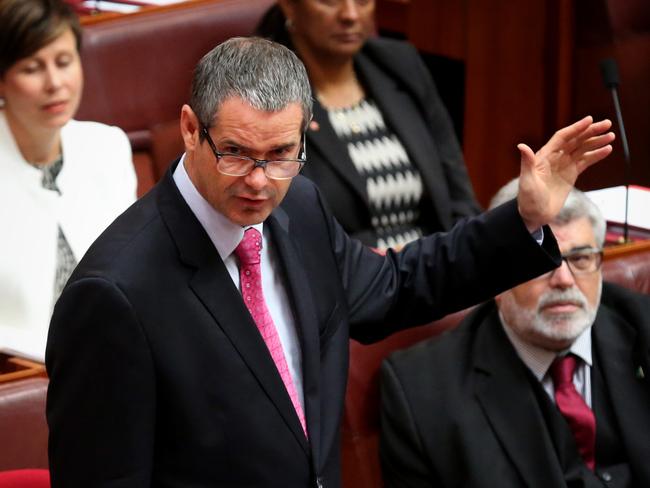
{"type": "Point", "coordinates": [441, 273]}
{"type": "Point", "coordinates": [101, 419]}
{"type": "Point", "coordinates": [403, 462]}
{"type": "Point", "coordinates": [462, 196]}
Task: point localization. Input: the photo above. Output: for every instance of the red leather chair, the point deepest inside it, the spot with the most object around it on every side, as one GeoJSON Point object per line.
{"type": "Point", "coordinates": [25, 478]}
{"type": "Point", "coordinates": [360, 427]}
{"type": "Point", "coordinates": [23, 428]}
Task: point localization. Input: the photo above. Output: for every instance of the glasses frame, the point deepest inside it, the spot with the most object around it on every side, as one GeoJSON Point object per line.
{"type": "Point", "coordinates": [258, 163]}
{"type": "Point", "coordinates": [577, 272]}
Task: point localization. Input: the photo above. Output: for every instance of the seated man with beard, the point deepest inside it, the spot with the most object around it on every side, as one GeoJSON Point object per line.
{"type": "Point", "coordinates": [545, 386]}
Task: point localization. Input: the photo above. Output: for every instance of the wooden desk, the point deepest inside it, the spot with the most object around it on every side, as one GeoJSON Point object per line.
{"type": "Point", "coordinates": [14, 368]}
{"type": "Point", "coordinates": [625, 250]}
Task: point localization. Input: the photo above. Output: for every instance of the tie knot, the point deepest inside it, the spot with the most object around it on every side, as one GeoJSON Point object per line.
{"type": "Point", "coordinates": [562, 370]}
{"type": "Point", "coordinates": [249, 249]}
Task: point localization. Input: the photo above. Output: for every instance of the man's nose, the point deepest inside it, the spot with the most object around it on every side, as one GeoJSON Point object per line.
{"type": "Point", "coordinates": [257, 179]}
{"type": "Point", "coordinates": [349, 10]}
{"type": "Point", "coordinates": [562, 277]}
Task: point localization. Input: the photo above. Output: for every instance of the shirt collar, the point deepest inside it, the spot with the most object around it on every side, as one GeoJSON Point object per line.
{"type": "Point", "coordinates": [539, 360]}
{"type": "Point", "coordinates": [224, 234]}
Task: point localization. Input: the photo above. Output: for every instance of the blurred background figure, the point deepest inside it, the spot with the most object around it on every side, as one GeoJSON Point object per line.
{"type": "Point", "coordinates": [381, 145]}
{"type": "Point", "coordinates": [61, 181]}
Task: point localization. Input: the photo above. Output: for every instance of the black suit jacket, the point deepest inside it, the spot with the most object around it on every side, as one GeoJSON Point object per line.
{"type": "Point", "coordinates": [159, 377]}
{"type": "Point", "coordinates": [460, 410]}
{"type": "Point", "coordinates": [395, 77]}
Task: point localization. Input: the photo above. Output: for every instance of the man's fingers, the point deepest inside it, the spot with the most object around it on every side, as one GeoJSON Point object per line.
{"type": "Point", "coordinates": [572, 137]}
{"type": "Point", "coordinates": [527, 155]}
{"type": "Point", "coordinates": [591, 157]}
{"type": "Point", "coordinates": [596, 142]}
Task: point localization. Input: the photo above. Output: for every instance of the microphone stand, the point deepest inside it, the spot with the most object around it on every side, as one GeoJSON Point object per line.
{"type": "Point", "coordinates": [610, 77]}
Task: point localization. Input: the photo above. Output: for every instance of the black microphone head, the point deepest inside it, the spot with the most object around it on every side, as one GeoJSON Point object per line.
{"type": "Point", "coordinates": [609, 70]}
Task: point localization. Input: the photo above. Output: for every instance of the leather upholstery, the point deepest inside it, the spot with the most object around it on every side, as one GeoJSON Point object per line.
{"type": "Point", "coordinates": [25, 478]}
{"type": "Point", "coordinates": [138, 70]}
{"type": "Point", "coordinates": [23, 428]}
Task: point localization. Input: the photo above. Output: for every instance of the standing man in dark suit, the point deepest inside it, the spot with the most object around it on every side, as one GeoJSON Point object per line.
{"type": "Point", "coordinates": [487, 405]}
{"type": "Point", "coordinates": [163, 373]}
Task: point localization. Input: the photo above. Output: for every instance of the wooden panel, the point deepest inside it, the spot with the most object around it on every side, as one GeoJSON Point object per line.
{"type": "Point", "coordinates": [507, 79]}
{"type": "Point", "coordinates": [13, 368]}
{"type": "Point", "coordinates": [438, 27]}
{"type": "Point", "coordinates": [625, 250]}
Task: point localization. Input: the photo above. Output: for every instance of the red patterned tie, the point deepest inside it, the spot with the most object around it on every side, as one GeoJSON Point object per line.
{"type": "Point", "coordinates": [571, 404]}
{"type": "Point", "coordinates": [248, 251]}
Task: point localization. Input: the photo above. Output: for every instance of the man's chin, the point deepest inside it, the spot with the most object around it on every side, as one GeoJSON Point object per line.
{"type": "Point", "coordinates": [564, 327]}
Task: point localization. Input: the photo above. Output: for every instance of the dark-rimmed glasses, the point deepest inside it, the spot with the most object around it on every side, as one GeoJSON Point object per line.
{"type": "Point", "coordinates": [581, 261]}
{"type": "Point", "coordinates": [276, 169]}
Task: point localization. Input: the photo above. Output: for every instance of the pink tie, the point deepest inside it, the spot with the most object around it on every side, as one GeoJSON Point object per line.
{"type": "Point", "coordinates": [573, 407]}
{"type": "Point", "coordinates": [248, 251]}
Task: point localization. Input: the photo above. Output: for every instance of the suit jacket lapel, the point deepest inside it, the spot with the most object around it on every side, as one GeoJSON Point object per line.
{"type": "Point", "coordinates": [616, 347]}
{"type": "Point", "coordinates": [398, 106]}
{"type": "Point", "coordinates": [214, 288]}
{"type": "Point", "coordinates": [298, 290]}
{"type": "Point", "coordinates": [516, 418]}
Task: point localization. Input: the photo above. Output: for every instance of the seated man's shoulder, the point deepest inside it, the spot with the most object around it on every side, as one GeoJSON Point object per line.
{"type": "Point", "coordinates": [633, 306]}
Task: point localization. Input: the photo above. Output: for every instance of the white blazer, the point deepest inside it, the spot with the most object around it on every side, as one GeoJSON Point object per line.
{"type": "Point", "coordinates": [97, 183]}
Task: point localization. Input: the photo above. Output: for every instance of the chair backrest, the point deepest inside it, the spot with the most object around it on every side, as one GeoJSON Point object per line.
{"type": "Point", "coordinates": [25, 478]}
{"type": "Point", "coordinates": [23, 428]}
{"type": "Point", "coordinates": [360, 427]}
{"type": "Point", "coordinates": [629, 266]}
{"type": "Point", "coordinates": [138, 70]}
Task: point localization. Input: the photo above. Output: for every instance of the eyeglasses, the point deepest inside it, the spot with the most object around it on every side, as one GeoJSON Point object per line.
{"type": "Point", "coordinates": [276, 169]}
{"type": "Point", "coordinates": [581, 262]}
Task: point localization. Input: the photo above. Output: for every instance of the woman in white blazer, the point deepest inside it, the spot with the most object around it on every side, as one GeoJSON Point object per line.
{"type": "Point", "coordinates": [61, 181]}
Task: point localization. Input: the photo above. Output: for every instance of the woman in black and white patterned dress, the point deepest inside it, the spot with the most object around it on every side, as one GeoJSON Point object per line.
{"type": "Point", "coordinates": [381, 145]}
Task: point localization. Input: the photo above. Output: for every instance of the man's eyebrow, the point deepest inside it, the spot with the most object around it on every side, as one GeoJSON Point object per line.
{"type": "Point", "coordinates": [581, 248]}
{"type": "Point", "coordinates": [279, 147]}
{"type": "Point", "coordinates": [230, 142]}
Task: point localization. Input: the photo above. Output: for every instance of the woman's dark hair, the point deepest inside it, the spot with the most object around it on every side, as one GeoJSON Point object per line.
{"type": "Point", "coordinates": [272, 26]}
{"type": "Point", "coordinates": [28, 25]}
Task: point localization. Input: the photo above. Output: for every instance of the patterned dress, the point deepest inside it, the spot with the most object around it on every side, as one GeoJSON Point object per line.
{"type": "Point", "coordinates": [393, 184]}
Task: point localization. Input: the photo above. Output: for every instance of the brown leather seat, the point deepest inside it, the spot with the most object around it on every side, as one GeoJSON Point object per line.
{"type": "Point", "coordinates": [138, 70]}
{"type": "Point", "coordinates": [360, 427]}
{"type": "Point", "coordinates": [23, 429]}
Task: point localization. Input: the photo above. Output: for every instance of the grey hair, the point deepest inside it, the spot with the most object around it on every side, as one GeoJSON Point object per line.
{"type": "Point", "coordinates": [263, 73]}
{"type": "Point", "coordinates": [576, 206]}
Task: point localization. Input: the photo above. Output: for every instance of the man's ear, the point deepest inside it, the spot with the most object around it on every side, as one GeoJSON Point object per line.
{"type": "Point", "coordinates": [190, 128]}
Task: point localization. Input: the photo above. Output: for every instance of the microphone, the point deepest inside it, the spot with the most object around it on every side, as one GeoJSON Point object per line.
{"type": "Point", "coordinates": [609, 71]}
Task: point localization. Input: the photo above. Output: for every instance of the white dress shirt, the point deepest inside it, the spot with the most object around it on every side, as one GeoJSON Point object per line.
{"type": "Point", "coordinates": [539, 361]}
{"type": "Point", "coordinates": [226, 236]}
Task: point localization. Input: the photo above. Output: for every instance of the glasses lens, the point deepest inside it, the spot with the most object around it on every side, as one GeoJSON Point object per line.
{"type": "Point", "coordinates": [584, 262]}
{"type": "Point", "coordinates": [234, 165]}
{"type": "Point", "coordinates": [282, 169]}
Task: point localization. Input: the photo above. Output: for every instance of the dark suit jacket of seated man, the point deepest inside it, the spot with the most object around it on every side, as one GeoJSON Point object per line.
{"type": "Point", "coordinates": [475, 407]}
{"type": "Point", "coordinates": [159, 375]}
